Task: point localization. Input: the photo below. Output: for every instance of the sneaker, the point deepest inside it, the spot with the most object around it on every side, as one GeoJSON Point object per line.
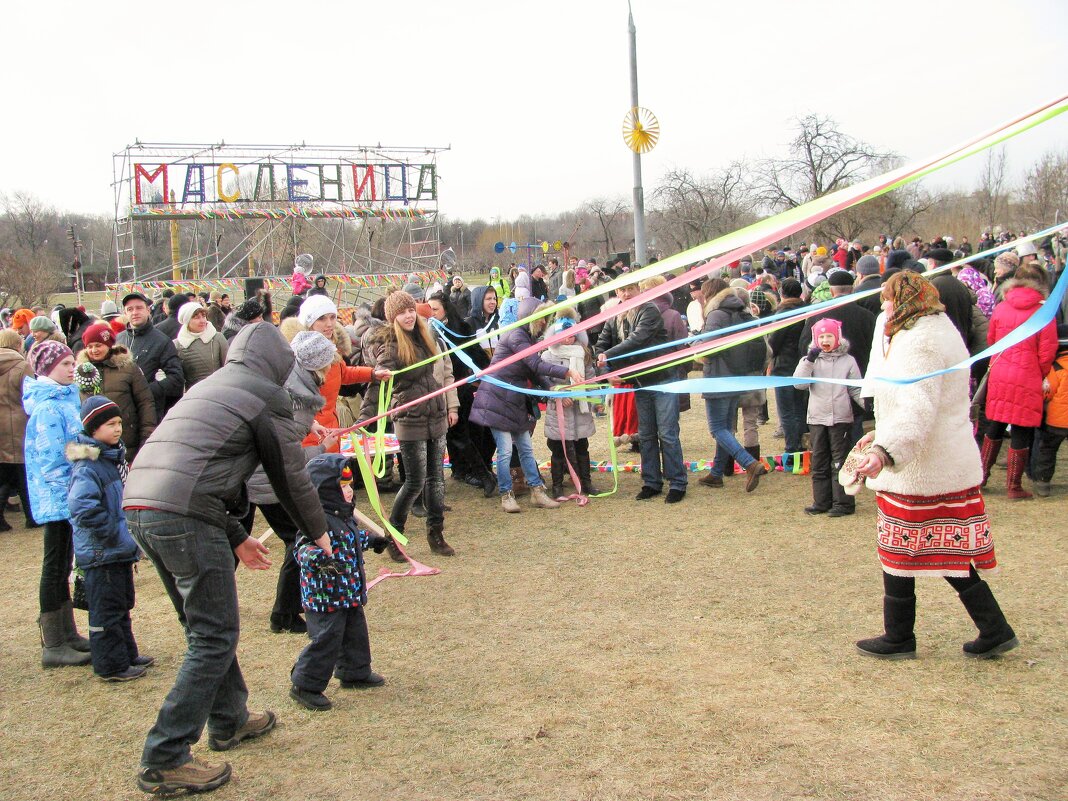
{"type": "Point", "coordinates": [316, 702]}
{"type": "Point", "coordinates": [646, 493]}
{"type": "Point", "coordinates": [131, 673]}
{"type": "Point", "coordinates": [257, 725]}
{"type": "Point", "coordinates": [192, 777]}
{"type": "Point", "coordinates": [674, 496]}
{"type": "Point", "coordinates": [144, 661]}
{"type": "Point", "coordinates": [372, 679]}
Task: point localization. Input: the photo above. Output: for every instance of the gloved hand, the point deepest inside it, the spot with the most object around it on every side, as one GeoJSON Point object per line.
{"type": "Point", "coordinates": [377, 543]}
{"type": "Point", "coordinates": [812, 354]}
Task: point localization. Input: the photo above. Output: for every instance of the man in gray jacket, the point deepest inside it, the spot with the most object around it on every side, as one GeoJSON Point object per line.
{"type": "Point", "coordinates": [184, 499]}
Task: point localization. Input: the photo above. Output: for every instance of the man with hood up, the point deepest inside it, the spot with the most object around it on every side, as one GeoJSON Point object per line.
{"type": "Point", "coordinates": [184, 500]}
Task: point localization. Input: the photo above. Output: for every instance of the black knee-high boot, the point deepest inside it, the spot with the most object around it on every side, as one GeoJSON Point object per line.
{"type": "Point", "coordinates": [995, 634]}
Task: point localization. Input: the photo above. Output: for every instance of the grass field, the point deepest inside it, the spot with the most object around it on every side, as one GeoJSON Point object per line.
{"type": "Point", "coordinates": [622, 651]}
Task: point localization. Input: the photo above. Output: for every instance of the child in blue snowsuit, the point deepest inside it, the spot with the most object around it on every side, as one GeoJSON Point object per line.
{"type": "Point", "coordinates": [103, 547]}
{"type": "Point", "coordinates": [333, 589]}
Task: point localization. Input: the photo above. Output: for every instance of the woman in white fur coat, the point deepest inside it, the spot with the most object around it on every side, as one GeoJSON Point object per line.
{"type": "Point", "coordinates": [924, 466]}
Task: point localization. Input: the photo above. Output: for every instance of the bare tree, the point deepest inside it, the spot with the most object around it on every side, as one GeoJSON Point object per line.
{"type": "Point", "coordinates": [821, 159]}
{"type": "Point", "coordinates": [991, 198]}
{"type": "Point", "coordinates": [1044, 194]}
{"type": "Point", "coordinates": [689, 210]}
{"type": "Point", "coordinates": [29, 220]}
{"type": "Point", "coordinates": [28, 280]}
{"type": "Point", "coordinates": [606, 211]}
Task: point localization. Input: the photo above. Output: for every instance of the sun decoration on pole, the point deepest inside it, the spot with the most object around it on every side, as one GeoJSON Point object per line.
{"type": "Point", "coordinates": [640, 130]}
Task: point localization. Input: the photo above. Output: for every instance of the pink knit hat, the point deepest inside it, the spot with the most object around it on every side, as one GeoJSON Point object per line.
{"type": "Point", "coordinates": [827, 326]}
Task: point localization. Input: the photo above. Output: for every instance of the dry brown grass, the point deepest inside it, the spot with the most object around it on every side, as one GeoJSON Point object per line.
{"type": "Point", "coordinates": [623, 651]}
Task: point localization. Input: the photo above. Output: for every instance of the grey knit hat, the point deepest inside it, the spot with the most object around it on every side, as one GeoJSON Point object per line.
{"type": "Point", "coordinates": [313, 350]}
{"type": "Point", "coordinates": [867, 265]}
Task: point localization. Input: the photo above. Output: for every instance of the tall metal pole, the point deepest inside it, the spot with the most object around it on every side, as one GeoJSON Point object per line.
{"type": "Point", "coordinates": [639, 196]}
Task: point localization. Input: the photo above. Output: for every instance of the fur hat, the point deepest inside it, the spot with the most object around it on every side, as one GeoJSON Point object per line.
{"type": "Point", "coordinates": [175, 302]}
{"type": "Point", "coordinates": [96, 411]}
{"type": "Point", "coordinates": [398, 302]}
{"type": "Point", "coordinates": [249, 310]}
{"type": "Point", "coordinates": [314, 308]}
{"type": "Point", "coordinates": [313, 350]}
{"type": "Point", "coordinates": [868, 265]}
{"type": "Point", "coordinates": [45, 355]}
{"type": "Point", "coordinates": [100, 333]}
{"type": "Point", "coordinates": [185, 314]}
{"type": "Point", "coordinates": [828, 325]}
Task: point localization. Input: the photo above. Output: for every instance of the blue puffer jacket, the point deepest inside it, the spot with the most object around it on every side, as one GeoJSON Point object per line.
{"type": "Point", "coordinates": [338, 582]}
{"type": "Point", "coordinates": [95, 500]}
{"type": "Point", "coordinates": [55, 420]}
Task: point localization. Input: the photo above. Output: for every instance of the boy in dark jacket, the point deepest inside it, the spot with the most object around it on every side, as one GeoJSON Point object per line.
{"type": "Point", "coordinates": [333, 589]}
{"type": "Point", "coordinates": [103, 547]}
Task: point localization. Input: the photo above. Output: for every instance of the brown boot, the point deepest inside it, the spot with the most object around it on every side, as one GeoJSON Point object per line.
{"type": "Point", "coordinates": [988, 453]}
{"type": "Point", "coordinates": [519, 482]}
{"type": "Point", "coordinates": [435, 536]}
{"type": "Point", "coordinates": [754, 472]}
{"type": "Point", "coordinates": [711, 480]}
{"type": "Point", "coordinates": [1017, 464]}
{"type": "Point", "coordinates": [395, 552]}
{"type": "Point", "coordinates": [74, 639]}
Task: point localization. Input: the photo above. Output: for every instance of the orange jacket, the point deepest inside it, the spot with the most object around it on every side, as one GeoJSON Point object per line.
{"type": "Point", "coordinates": [338, 374]}
{"type": "Point", "coordinates": [1057, 397]}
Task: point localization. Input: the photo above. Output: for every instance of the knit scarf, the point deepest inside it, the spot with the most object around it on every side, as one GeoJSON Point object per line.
{"type": "Point", "coordinates": [187, 337]}
{"type": "Point", "coordinates": [576, 357]}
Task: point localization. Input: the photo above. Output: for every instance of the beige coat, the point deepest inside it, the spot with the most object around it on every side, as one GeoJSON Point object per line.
{"type": "Point", "coordinates": [13, 368]}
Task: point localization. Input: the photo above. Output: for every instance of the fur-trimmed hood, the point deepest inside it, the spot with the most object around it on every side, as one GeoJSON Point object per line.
{"type": "Point", "coordinates": [118, 357]}
{"type": "Point", "coordinates": [727, 299]}
{"type": "Point", "coordinates": [1024, 283]}
{"type": "Point", "coordinates": [84, 448]}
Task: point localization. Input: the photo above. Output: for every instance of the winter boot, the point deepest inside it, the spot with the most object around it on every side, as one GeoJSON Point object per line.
{"type": "Point", "coordinates": [995, 634]}
{"type": "Point", "coordinates": [898, 641]}
{"type": "Point", "coordinates": [1041, 488]}
{"type": "Point", "coordinates": [710, 480]}
{"type": "Point", "coordinates": [754, 451]}
{"type": "Point", "coordinates": [585, 472]}
{"type": "Point", "coordinates": [489, 483]}
{"type": "Point", "coordinates": [988, 453]}
{"type": "Point", "coordinates": [395, 552]}
{"type": "Point", "coordinates": [557, 468]}
{"type": "Point", "coordinates": [540, 500]}
{"type": "Point", "coordinates": [57, 652]}
{"type": "Point", "coordinates": [519, 482]}
{"type": "Point", "coordinates": [74, 639]}
{"type": "Point", "coordinates": [1017, 463]}
{"type": "Point", "coordinates": [435, 536]}
{"type": "Point", "coordinates": [754, 471]}
{"type": "Point", "coordinates": [508, 503]}
{"type": "Point", "coordinates": [4, 525]}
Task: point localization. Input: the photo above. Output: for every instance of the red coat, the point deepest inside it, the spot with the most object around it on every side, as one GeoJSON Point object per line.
{"type": "Point", "coordinates": [1014, 389]}
{"type": "Point", "coordinates": [338, 374]}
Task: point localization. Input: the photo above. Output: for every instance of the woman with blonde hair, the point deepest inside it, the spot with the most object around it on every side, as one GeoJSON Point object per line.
{"type": "Point", "coordinates": [420, 429]}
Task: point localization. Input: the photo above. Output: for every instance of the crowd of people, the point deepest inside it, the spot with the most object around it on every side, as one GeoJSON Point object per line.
{"type": "Point", "coordinates": [161, 425]}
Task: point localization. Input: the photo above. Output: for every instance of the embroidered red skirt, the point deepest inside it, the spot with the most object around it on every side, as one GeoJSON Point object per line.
{"type": "Point", "coordinates": [939, 535]}
{"type": "Point", "coordinates": [624, 413]}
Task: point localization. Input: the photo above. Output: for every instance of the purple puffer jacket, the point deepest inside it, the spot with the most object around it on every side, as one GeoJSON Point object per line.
{"type": "Point", "coordinates": [501, 408]}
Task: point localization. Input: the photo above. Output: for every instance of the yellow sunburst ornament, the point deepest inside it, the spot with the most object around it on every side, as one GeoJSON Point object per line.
{"type": "Point", "coordinates": [640, 130]}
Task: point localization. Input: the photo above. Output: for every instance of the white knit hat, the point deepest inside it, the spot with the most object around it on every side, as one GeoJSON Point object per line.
{"type": "Point", "coordinates": [313, 350]}
{"type": "Point", "coordinates": [314, 308]}
{"type": "Point", "coordinates": [185, 314]}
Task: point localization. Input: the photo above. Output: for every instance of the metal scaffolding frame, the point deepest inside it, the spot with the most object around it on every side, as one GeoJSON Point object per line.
{"type": "Point", "coordinates": [347, 233]}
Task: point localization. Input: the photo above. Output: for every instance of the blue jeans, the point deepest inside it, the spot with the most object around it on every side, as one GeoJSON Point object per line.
{"type": "Point", "coordinates": [521, 439]}
{"type": "Point", "coordinates": [658, 432]}
{"type": "Point", "coordinates": [196, 565]}
{"type": "Point", "coordinates": [721, 413]}
{"type": "Point", "coordinates": [793, 408]}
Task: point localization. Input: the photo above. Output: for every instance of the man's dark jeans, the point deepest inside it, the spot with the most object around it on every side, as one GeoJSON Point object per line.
{"type": "Point", "coordinates": [196, 564]}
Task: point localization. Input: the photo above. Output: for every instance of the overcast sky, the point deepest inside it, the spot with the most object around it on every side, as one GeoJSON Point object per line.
{"type": "Point", "coordinates": [529, 96]}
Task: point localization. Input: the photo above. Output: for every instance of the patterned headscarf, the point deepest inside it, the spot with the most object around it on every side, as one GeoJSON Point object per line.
{"type": "Point", "coordinates": [913, 297]}
{"type": "Point", "coordinates": [971, 278]}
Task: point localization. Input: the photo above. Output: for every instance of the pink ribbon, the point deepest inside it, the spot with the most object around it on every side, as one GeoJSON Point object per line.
{"type": "Point", "coordinates": [578, 497]}
{"type": "Point", "coordinates": [416, 569]}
